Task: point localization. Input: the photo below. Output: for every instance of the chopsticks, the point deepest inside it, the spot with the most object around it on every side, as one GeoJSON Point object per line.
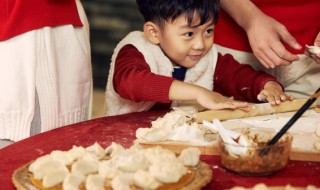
{"type": "Point", "coordinates": [294, 118]}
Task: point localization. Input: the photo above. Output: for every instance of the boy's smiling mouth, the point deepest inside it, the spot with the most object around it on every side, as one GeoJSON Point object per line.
{"type": "Point", "coordinates": [195, 57]}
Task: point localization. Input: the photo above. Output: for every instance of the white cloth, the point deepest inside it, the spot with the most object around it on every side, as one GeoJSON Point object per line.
{"type": "Point", "coordinates": [201, 74]}
{"type": "Point", "coordinates": [300, 79]}
{"type": "Point", "coordinates": [53, 62]}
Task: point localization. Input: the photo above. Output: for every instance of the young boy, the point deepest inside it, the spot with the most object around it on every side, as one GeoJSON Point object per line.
{"type": "Point", "coordinates": [174, 59]}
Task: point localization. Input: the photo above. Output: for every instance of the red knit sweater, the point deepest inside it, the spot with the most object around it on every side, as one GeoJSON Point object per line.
{"type": "Point", "coordinates": [133, 79]}
{"type": "Point", "coordinates": [301, 17]}
{"type": "Point", "coordinates": [20, 16]}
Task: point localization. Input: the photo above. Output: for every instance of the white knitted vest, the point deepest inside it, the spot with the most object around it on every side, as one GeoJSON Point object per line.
{"type": "Point", "coordinates": [201, 74]}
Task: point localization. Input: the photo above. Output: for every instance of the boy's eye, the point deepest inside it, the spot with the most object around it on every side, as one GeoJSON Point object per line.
{"type": "Point", "coordinates": [189, 34]}
{"type": "Point", "coordinates": [210, 31]}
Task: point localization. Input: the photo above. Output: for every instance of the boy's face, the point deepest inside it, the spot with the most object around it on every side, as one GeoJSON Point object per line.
{"type": "Point", "coordinates": [186, 45]}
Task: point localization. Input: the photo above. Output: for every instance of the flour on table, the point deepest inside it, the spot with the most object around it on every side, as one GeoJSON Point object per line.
{"type": "Point", "coordinates": [304, 130]}
{"type": "Point", "coordinates": [178, 126]}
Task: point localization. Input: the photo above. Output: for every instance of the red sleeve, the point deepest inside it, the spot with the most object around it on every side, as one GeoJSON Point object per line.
{"type": "Point", "coordinates": [134, 80]}
{"type": "Point", "coordinates": [20, 16]}
{"type": "Point", "coordinates": [239, 80]}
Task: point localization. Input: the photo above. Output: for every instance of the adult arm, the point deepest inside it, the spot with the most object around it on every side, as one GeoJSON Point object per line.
{"type": "Point", "coordinates": [264, 33]}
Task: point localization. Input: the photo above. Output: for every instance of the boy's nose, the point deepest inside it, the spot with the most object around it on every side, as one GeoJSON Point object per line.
{"type": "Point", "coordinates": [199, 43]}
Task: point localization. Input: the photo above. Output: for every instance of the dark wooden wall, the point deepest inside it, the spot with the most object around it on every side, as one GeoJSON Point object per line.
{"type": "Point", "coordinates": [110, 21]}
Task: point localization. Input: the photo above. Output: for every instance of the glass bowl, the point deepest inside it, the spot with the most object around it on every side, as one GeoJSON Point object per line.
{"type": "Point", "coordinates": [258, 159]}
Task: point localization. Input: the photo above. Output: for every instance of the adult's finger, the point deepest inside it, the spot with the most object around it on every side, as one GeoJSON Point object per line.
{"type": "Point", "coordinates": [317, 40]}
{"type": "Point", "coordinates": [285, 36]}
{"type": "Point", "coordinates": [316, 57]}
{"type": "Point", "coordinates": [264, 59]}
{"type": "Point", "coordinates": [280, 55]}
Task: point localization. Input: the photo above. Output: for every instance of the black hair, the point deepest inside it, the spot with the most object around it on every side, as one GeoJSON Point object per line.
{"type": "Point", "coordinates": [159, 11]}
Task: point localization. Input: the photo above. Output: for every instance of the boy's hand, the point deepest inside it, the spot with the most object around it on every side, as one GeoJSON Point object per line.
{"type": "Point", "coordinates": [214, 100]}
{"type": "Point", "coordinates": [273, 94]}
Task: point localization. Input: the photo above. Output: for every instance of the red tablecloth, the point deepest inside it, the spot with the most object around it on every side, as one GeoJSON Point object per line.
{"type": "Point", "coordinates": [121, 129]}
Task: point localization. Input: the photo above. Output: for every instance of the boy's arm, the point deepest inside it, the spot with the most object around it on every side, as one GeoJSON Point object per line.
{"type": "Point", "coordinates": [244, 83]}
{"type": "Point", "coordinates": [212, 100]}
{"type": "Point", "coordinates": [134, 80]}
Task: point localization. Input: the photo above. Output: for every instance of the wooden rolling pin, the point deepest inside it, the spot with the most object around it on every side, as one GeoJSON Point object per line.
{"type": "Point", "coordinates": [255, 110]}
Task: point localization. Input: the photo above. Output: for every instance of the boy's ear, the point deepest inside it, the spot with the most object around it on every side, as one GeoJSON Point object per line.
{"type": "Point", "coordinates": [151, 31]}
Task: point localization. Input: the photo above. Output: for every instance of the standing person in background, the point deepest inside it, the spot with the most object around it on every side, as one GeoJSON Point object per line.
{"type": "Point", "coordinates": [271, 36]}
{"type": "Point", "coordinates": [45, 75]}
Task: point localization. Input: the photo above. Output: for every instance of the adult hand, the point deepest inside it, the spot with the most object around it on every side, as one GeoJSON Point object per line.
{"type": "Point", "coordinates": [316, 57]}
{"type": "Point", "coordinates": [265, 35]}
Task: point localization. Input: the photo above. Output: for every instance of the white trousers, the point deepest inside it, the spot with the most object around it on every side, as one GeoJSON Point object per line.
{"type": "Point", "coordinates": [53, 64]}
{"type": "Point", "coordinates": [300, 79]}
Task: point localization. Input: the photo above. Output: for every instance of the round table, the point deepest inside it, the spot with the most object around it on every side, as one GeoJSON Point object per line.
{"type": "Point", "coordinates": [121, 129]}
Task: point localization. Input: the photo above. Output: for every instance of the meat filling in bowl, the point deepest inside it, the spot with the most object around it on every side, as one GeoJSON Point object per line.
{"type": "Point", "coordinates": [252, 162]}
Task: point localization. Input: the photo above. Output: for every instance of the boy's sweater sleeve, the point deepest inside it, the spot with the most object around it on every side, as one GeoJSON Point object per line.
{"type": "Point", "coordinates": [239, 80]}
{"type": "Point", "coordinates": [134, 80]}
